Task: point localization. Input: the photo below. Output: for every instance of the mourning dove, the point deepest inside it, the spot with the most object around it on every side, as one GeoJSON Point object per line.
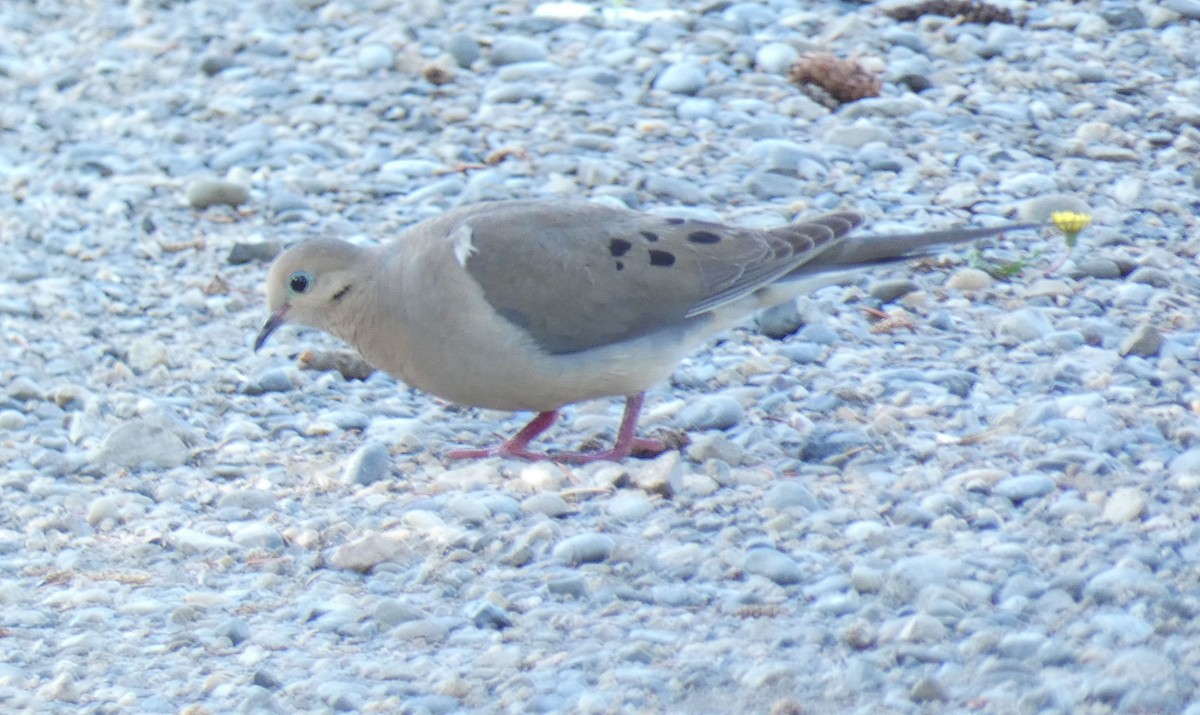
{"type": "Point", "coordinates": [533, 305]}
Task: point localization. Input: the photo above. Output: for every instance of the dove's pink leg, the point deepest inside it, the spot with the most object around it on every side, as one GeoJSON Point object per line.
{"type": "Point", "coordinates": [626, 441]}
{"type": "Point", "coordinates": [514, 447]}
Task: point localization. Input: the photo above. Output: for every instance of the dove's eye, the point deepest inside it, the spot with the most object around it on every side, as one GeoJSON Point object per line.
{"type": "Point", "coordinates": [300, 281]}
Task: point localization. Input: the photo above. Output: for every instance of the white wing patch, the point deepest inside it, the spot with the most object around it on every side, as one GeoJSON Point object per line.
{"type": "Point", "coordinates": [463, 248]}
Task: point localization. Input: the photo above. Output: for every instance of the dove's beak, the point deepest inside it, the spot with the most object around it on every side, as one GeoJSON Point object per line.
{"type": "Point", "coordinates": [277, 318]}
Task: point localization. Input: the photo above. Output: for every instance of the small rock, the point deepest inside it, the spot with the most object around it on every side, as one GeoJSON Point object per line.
{"type": "Point", "coordinates": [258, 535]}
{"type": "Point", "coordinates": [629, 505]}
{"type": "Point", "coordinates": [1027, 486]}
{"type": "Point", "coordinates": [489, 616]}
{"type": "Point", "coordinates": [204, 193]}
{"type": "Point", "coordinates": [146, 354]}
{"type": "Point", "coordinates": [138, 443]}
{"type": "Point", "coordinates": [270, 380]}
{"type": "Point", "coordinates": [969, 279]}
{"type": "Point", "coordinates": [190, 541]}
{"type": "Point", "coordinates": [888, 290]}
{"type": "Point", "coordinates": [775, 57]}
{"type": "Point", "coordinates": [546, 503]}
{"type": "Point", "coordinates": [662, 476]}
{"type": "Point", "coordinates": [1023, 325]}
{"type": "Point", "coordinates": [1123, 505]}
{"type": "Point", "coordinates": [865, 579]}
{"type": "Point", "coordinates": [1039, 209]}
{"type": "Point", "coordinates": [375, 56]}
{"type": "Point", "coordinates": [22, 388]}
{"type": "Point", "coordinates": [785, 495]}
{"type": "Point", "coordinates": [774, 565]}
{"type": "Point", "coordinates": [1185, 469]}
{"type": "Point", "coordinates": [511, 50]}
{"type": "Point", "coordinates": [464, 49]}
{"type": "Point", "coordinates": [12, 420]}
{"type": "Point", "coordinates": [370, 463]}
{"type": "Point", "coordinates": [927, 690]}
{"type": "Point", "coordinates": [235, 629]}
{"type": "Point", "coordinates": [366, 552]}
{"type": "Point", "coordinates": [779, 321]}
{"type": "Point", "coordinates": [681, 78]}
{"type": "Point", "coordinates": [1096, 268]}
{"type": "Point", "coordinates": [253, 252]}
{"type": "Point", "coordinates": [1146, 341]}
{"type": "Point", "coordinates": [584, 549]}
{"type": "Point", "coordinates": [710, 412]}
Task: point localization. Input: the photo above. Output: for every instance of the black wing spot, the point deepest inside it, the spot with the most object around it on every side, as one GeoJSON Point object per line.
{"type": "Point", "coordinates": [619, 247]}
{"type": "Point", "coordinates": [662, 258]}
{"type": "Point", "coordinates": [620, 265]}
{"type": "Point", "coordinates": [674, 221]}
{"type": "Point", "coordinates": [650, 236]}
{"type": "Point", "coordinates": [704, 237]}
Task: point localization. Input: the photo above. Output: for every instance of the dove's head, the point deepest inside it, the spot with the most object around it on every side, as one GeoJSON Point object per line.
{"type": "Point", "coordinates": [308, 282]}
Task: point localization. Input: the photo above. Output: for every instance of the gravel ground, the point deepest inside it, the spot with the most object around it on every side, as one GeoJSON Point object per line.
{"type": "Point", "coordinates": [983, 503]}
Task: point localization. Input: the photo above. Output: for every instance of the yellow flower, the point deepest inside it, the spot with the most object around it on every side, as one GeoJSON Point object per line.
{"type": "Point", "coordinates": [1070, 223]}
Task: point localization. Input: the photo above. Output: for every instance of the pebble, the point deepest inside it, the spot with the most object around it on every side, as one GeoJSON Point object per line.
{"type": "Point", "coordinates": [511, 49]}
{"type": "Point", "coordinates": [779, 321]}
{"type": "Point", "coordinates": [1023, 325]}
{"type": "Point", "coordinates": [584, 549]}
{"type": "Point", "coordinates": [773, 565]}
{"type": "Point", "coordinates": [1124, 505]}
{"type": "Point", "coordinates": [370, 463]}
{"type": "Point", "coordinates": [1145, 341]}
{"type": "Point", "coordinates": [888, 291]}
{"type": "Point", "coordinates": [1025, 487]}
{"type": "Point", "coordinates": [205, 193]}
{"type": "Point", "coordinates": [138, 444]}
{"type": "Point", "coordinates": [547, 504]}
{"type": "Point", "coordinates": [775, 57]}
{"type": "Point", "coordinates": [969, 279]}
{"type": "Point", "coordinates": [681, 78]}
{"type": "Point", "coordinates": [710, 412]}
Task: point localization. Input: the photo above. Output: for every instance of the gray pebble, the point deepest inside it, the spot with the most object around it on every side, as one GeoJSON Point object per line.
{"type": "Point", "coordinates": [803, 353]}
{"type": "Point", "coordinates": [775, 57]}
{"type": "Point", "coordinates": [510, 50]}
{"type": "Point", "coordinates": [11, 420]}
{"type": "Point", "coordinates": [375, 56]}
{"type": "Point", "coordinates": [489, 616]}
{"type": "Point", "coordinates": [203, 193]}
{"type": "Point", "coordinates": [774, 565]}
{"type": "Point", "coordinates": [235, 629]}
{"type": "Point", "coordinates": [1096, 268]}
{"type": "Point", "coordinates": [1023, 325]}
{"type": "Point", "coordinates": [22, 388]}
{"type": "Point", "coordinates": [256, 252]}
{"type": "Point", "coordinates": [1146, 341]}
{"type": "Point", "coordinates": [258, 535]}
{"type": "Point", "coordinates": [779, 321]}
{"type": "Point", "coordinates": [1188, 8]}
{"type": "Point", "coordinates": [138, 443]}
{"type": "Point", "coordinates": [788, 494]}
{"type": "Point", "coordinates": [681, 78]}
{"type": "Point", "coordinates": [464, 49]}
{"type": "Point", "coordinates": [547, 504]}
{"type": "Point", "coordinates": [370, 463]}
{"type": "Point", "coordinates": [1024, 487]}
{"type": "Point", "coordinates": [889, 290]}
{"type": "Point", "coordinates": [584, 549]}
{"type": "Point", "coordinates": [269, 380]}
{"type": "Point", "coordinates": [574, 587]}
{"type": "Point", "coordinates": [710, 412]}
